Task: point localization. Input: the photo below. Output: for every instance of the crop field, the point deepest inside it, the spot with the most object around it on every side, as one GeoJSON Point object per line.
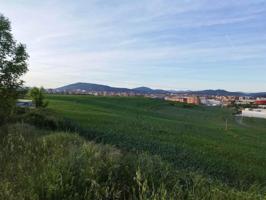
{"type": "Point", "coordinates": [193, 138]}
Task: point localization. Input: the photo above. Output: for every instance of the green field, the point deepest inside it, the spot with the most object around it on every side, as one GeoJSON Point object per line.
{"type": "Point", "coordinates": [38, 164]}
{"type": "Point", "coordinates": [192, 138]}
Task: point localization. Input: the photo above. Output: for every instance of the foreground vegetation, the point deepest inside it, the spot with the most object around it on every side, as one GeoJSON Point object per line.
{"type": "Point", "coordinates": [192, 138]}
{"type": "Point", "coordinates": [13, 64]}
{"type": "Point", "coordinates": [38, 164]}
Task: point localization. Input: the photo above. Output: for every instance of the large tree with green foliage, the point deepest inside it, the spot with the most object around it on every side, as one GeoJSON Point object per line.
{"type": "Point", "coordinates": [13, 64]}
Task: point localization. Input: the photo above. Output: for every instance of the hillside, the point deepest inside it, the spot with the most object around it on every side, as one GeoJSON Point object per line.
{"type": "Point", "coordinates": [143, 89]}
{"type": "Point", "coordinates": [219, 93]}
{"type": "Point", "coordinates": [191, 138]}
{"type": "Point", "coordinates": [90, 87]}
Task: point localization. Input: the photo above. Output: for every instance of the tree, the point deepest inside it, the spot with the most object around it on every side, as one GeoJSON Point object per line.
{"type": "Point", "coordinates": [13, 64]}
{"type": "Point", "coordinates": [37, 95]}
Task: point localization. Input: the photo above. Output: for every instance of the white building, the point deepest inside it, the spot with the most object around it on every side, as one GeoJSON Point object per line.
{"type": "Point", "coordinates": [245, 101]}
{"type": "Point", "coordinates": [257, 113]}
{"type": "Point", "coordinates": [210, 102]}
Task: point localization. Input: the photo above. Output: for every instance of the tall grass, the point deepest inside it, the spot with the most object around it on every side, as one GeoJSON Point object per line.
{"type": "Point", "coordinates": [45, 165]}
{"type": "Point", "coordinates": [192, 138]}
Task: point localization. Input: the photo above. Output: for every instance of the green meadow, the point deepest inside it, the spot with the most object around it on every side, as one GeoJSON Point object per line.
{"type": "Point", "coordinates": [38, 164]}
{"type": "Point", "coordinates": [192, 138]}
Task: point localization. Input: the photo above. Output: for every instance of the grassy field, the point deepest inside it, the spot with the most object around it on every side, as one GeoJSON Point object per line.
{"type": "Point", "coordinates": [192, 138]}
{"type": "Point", "coordinates": [39, 164]}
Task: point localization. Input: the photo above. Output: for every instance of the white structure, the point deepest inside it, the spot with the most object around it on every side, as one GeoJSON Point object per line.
{"type": "Point", "coordinates": [210, 102]}
{"type": "Point", "coordinates": [258, 113]}
{"type": "Point", "coordinates": [245, 101]}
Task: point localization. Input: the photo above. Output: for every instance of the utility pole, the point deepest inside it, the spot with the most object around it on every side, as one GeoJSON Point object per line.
{"type": "Point", "coordinates": [226, 125]}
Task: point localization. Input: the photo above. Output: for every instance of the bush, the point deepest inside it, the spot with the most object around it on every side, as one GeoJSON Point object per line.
{"type": "Point", "coordinates": [45, 119]}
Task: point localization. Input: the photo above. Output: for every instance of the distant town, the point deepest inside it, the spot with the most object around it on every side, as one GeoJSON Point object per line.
{"type": "Point", "coordinates": [248, 106]}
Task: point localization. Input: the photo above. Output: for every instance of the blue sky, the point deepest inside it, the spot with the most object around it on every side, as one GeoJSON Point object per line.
{"type": "Point", "coordinates": [168, 44]}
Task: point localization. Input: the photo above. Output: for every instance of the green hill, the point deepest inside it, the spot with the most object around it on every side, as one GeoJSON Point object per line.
{"type": "Point", "coordinates": [191, 137]}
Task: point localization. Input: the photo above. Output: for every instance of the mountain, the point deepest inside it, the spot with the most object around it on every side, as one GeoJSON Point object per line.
{"type": "Point", "coordinates": [262, 94]}
{"type": "Point", "coordinates": [90, 87]}
{"type": "Point", "coordinates": [143, 89]}
{"type": "Point", "coordinates": [218, 93]}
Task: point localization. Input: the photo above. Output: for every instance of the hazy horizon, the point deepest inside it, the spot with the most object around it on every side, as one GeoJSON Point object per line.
{"type": "Point", "coordinates": [167, 89]}
{"type": "Point", "coordinates": [173, 45]}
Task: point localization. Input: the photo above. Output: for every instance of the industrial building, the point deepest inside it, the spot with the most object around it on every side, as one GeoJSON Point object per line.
{"type": "Point", "coordinates": [257, 113]}
{"type": "Point", "coordinates": [260, 101]}
{"type": "Point", "coordinates": [190, 100]}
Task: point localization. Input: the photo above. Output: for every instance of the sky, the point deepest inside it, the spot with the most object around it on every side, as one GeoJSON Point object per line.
{"type": "Point", "coordinates": [166, 44]}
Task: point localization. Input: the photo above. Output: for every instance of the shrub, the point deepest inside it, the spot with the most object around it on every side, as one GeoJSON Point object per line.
{"type": "Point", "coordinates": [46, 119]}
